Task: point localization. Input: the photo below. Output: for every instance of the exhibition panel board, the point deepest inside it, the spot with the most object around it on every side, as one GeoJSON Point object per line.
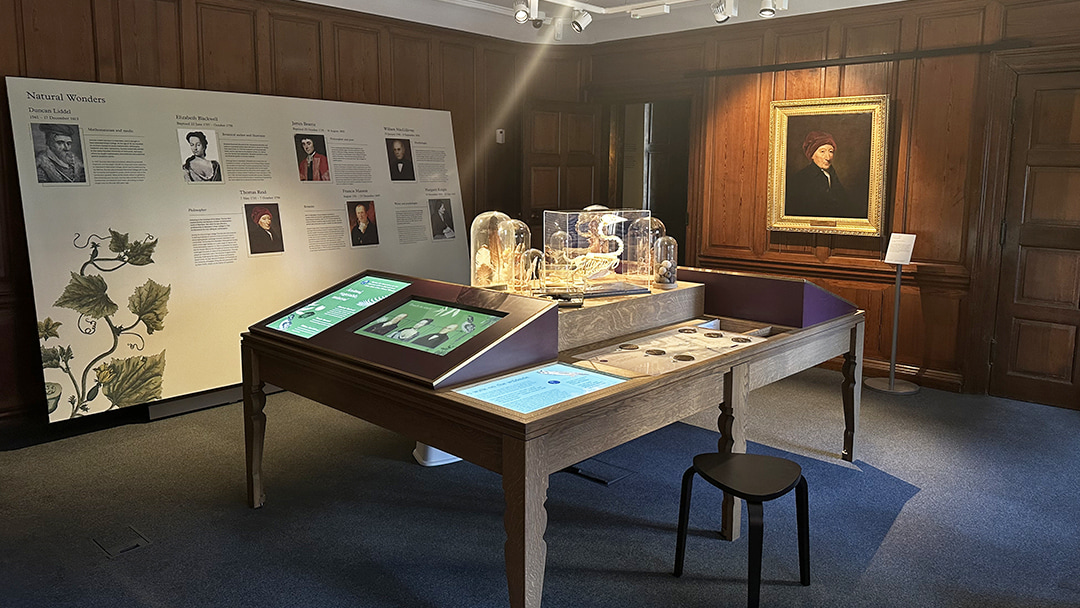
{"type": "Point", "coordinates": [162, 222]}
{"type": "Point", "coordinates": [527, 423]}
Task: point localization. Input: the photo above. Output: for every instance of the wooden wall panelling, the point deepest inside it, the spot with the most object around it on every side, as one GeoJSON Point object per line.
{"type": "Point", "coordinates": [555, 76]}
{"type": "Point", "coordinates": [732, 203]}
{"type": "Point", "coordinates": [501, 102]}
{"type": "Point", "coordinates": [410, 60]}
{"type": "Point", "coordinates": [59, 39]}
{"type": "Point", "coordinates": [296, 56]}
{"type": "Point", "coordinates": [224, 51]}
{"type": "Point", "coordinates": [1055, 21]}
{"type": "Point", "coordinates": [665, 59]}
{"type": "Point", "coordinates": [458, 78]}
{"type": "Point", "coordinates": [939, 157]}
{"type": "Point", "coordinates": [149, 42]}
{"type": "Point", "coordinates": [11, 42]}
{"type": "Point", "coordinates": [791, 47]}
{"type": "Point", "coordinates": [863, 39]}
{"type": "Point", "coordinates": [106, 40]}
{"type": "Point", "coordinates": [356, 60]}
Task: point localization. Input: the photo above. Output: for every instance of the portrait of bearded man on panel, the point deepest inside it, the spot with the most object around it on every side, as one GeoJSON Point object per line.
{"type": "Point", "coordinates": [58, 153]}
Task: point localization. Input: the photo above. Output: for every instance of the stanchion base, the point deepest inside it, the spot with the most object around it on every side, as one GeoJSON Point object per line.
{"type": "Point", "coordinates": [900, 387]}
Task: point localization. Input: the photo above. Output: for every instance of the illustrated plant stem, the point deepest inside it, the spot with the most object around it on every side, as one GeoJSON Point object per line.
{"type": "Point", "coordinates": [75, 406]}
{"type": "Point", "coordinates": [116, 342]}
{"type": "Point", "coordinates": [94, 263]}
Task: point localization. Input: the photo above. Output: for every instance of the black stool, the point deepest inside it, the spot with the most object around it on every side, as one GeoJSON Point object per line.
{"type": "Point", "coordinates": [755, 479]}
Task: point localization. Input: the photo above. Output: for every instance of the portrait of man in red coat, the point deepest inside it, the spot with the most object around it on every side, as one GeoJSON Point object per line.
{"type": "Point", "coordinates": [314, 167]}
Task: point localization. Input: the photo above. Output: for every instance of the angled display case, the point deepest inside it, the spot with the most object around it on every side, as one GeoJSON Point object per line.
{"type": "Point", "coordinates": [438, 334]}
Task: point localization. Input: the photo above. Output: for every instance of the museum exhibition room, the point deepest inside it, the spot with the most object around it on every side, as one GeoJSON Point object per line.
{"type": "Point", "coordinates": [539, 303]}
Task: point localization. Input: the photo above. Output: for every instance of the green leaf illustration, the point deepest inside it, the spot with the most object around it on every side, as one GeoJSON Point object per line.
{"type": "Point", "coordinates": [133, 380]}
{"type": "Point", "coordinates": [92, 393]}
{"type": "Point", "coordinates": [119, 242]}
{"type": "Point", "coordinates": [86, 295]}
{"type": "Point", "coordinates": [140, 253]}
{"type": "Point", "coordinates": [48, 329]}
{"type": "Point", "coordinates": [50, 357]}
{"type": "Point", "coordinates": [149, 304]}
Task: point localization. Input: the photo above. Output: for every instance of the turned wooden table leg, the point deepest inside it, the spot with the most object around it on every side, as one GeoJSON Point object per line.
{"type": "Point", "coordinates": [254, 426]}
{"type": "Point", "coordinates": [852, 390]}
{"type": "Point", "coordinates": [732, 424]}
{"type": "Point", "coordinates": [525, 483]}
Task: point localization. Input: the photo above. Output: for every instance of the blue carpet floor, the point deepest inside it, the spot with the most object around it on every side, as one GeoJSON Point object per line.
{"type": "Point", "coordinates": [954, 500]}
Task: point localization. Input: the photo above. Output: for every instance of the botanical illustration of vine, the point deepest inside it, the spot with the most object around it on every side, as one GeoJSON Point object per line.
{"type": "Point", "coordinates": [122, 381]}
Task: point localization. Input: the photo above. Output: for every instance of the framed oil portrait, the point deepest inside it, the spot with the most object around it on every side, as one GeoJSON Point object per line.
{"type": "Point", "coordinates": [827, 165]}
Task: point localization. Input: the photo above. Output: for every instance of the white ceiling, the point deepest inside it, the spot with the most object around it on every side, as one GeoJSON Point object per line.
{"type": "Point", "coordinates": [493, 17]}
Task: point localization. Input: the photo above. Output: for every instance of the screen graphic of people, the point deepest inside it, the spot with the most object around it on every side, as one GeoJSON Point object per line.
{"type": "Point", "coordinates": [264, 233]}
{"type": "Point", "coordinates": [364, 230]}
{"type": "Point", "coordinates": [442, 218]}
{"type": "Point", "coordinates": [815, 190]}
{"type": "Point", "coordinates": [400, 155]}
{"type": "Point", "coordinates": [59, 162]}
{"type": "Point", "coordinates": [387, 325]}
{"type": "Point", "coordinates": [411, 332]}
{"type": "Point", "coordinates": [433, 340]}
{"type": "Point", "coordinates": [310, 151]}
{"type": "Point", "coordinates": [198, 168]}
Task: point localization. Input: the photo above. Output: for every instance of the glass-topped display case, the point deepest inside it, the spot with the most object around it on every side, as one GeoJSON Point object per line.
{"type": "Point", "coordinates": [588, 252]}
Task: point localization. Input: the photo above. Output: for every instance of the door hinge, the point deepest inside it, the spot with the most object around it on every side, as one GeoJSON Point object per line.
{"type": "Point", "coordinates": [993, 350]}
{"type": "Point", "coordinates": [1004, 230]}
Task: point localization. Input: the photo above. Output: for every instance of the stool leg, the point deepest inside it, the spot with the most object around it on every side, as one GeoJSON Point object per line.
{"type": "Point", "coordinates": [753, 583]}
{"type": "Point", "coordinates": [802, 509]}
{"type": "Point", "coordinates": [684, 519]}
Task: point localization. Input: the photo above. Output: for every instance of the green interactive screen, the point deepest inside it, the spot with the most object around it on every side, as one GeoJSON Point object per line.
{"type": "Point", "coordinates": [429, 326]}
{"type": "Point", "coordinates": [335, 307]}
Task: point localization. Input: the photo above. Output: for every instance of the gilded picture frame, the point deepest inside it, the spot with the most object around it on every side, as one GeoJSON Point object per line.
{"type": "Point", "coordinates": [827, 165]}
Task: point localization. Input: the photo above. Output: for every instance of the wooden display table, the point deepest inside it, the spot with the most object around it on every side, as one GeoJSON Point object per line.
{"type": "Point", "coordinates": [526, 448]}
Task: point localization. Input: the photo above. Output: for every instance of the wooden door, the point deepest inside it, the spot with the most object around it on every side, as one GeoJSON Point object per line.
{"type": "Point", "coordinates": [667, 154]}
{"type": "Point", "coordinates": [1035, 349]}
{"type": "Point", "coordinates": [562, 158]}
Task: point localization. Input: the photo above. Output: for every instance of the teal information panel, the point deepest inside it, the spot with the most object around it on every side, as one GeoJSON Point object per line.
{"type": "Point", "coordinates": [338, 306]}
{"type": "Point", "coordinates": [536, 389]}
{"type": "Point", "coordinates": [429, 326]}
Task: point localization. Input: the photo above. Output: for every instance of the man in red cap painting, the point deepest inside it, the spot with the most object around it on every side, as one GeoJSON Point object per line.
{"type": "Point", "coordinates": [264, 235]}
{"type": "Point", "coordinates": [815, 190]}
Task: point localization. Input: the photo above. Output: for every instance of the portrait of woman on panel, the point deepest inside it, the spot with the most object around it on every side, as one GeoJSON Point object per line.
{"type": "Point", "coordinates": [200, 165]}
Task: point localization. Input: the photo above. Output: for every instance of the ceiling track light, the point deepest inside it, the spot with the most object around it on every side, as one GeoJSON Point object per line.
{"type": "Point", "coordinates": [724, 9]}
{"type": "Point", "coordinates": [521, 11]}
{"type": "Point", "coordinates": [650, 11]}
{"type": "Point", "coordinates": [769, 7]}
{"type": "Point", "coordinates": [580, 21]}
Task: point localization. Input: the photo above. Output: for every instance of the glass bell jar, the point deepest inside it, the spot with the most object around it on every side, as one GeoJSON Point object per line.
{"type": "Point", "coordinates": [641, 240]}
{"type": "Point", "coordinates": [486, 266]}
{"type": "Point", "coordinates": [515, 238]}
{"type": "Point", "coordinates": [667, 263]}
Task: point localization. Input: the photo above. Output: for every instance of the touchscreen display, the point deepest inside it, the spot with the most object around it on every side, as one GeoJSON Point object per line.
{"type": "Point", "coordinates": [330, 310]}
{"type": "Point", "coordinates": [429, 326]}
{"type": "Point", "coordinates": [535, 389]}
